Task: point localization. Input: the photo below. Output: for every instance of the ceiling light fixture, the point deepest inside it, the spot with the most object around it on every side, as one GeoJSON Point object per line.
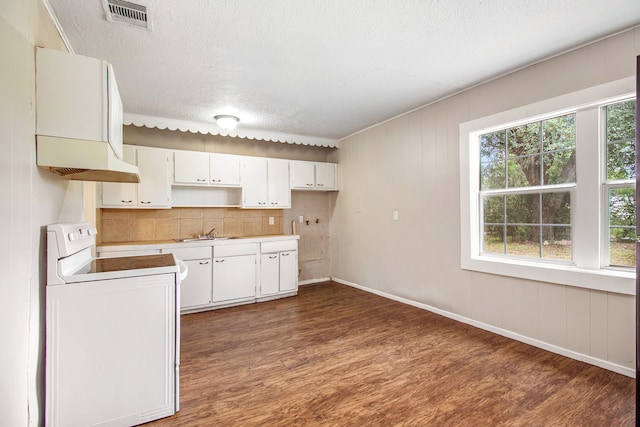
{"type": "Point", "coordinates": [226, 121]}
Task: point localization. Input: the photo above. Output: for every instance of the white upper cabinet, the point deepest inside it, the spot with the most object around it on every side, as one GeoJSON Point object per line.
{"type": "Point", "coordinates": [265, 183]}
{"type": "Point", "coordinates": [190, 167]}
{"type": "Point", "coordinates": [314, 176]}
{"type": "Point", "coordinates": [224, 169]}
{"type": "Point", "coordinates": [279, 183]}
{"type": "Point", "coordinates": [199, 168]}
{"type": "Point", "coordinates": [154, 189]}
{"type": "Point", "coordinates": [77, 97]}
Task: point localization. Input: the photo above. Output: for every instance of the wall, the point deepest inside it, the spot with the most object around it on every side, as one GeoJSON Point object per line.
{"type": "Point", "coordinates": [31, 198]}
{"type": "Point", "coordinates": [314, 252]}
{"type": "Point", "coordinates": [410, 164]}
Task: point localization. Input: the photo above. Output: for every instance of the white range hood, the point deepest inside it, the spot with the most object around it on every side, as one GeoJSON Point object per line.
{"type": "Point", "coordinates": [79, 118]}
{"type": "Point", "coordinates": [83, 160]}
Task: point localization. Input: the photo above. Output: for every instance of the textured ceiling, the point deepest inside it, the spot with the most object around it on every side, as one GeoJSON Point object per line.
{"type": "Point", "coordinates": [325, 68]}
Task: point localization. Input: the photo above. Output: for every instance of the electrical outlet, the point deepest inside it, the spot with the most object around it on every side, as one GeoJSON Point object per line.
{"type": "Point", "coordinates": [395, 215]}
{"type": "Point", "coordinates": [301, 219]}
{"type": "Point", "coordinates": [271, 220]}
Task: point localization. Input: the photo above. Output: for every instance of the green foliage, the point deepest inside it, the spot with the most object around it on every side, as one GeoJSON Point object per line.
{"type": "Point", "coordinates": [621, 128]}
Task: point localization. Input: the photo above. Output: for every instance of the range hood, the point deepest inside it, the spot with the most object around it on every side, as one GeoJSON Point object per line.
{"type": "Point", "coordinates": [83, 160]}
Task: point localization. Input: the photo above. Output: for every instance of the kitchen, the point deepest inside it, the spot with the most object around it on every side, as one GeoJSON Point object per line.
{"type": "Point", "coordinates": [357, 224]}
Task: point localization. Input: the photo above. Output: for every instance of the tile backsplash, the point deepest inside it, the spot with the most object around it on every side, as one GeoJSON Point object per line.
{"type": "Point", "coordinates": [132, 225]}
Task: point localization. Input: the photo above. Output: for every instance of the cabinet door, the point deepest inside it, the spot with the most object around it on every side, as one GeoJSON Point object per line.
{"type": "Point", "coordinates": [224, 170]}
{"type": "Point", "coordinates": [303, 175]}
{"type": "Point", "coordinates": [254, 182]}
{"type": "Point", "coordinates": [279, 184]}
{"type": "Point", "coordinates": [234, 277]}
{"type": "Point", "coordinates": [269, 274]}
{"type": "Point", "coordinates": [288, 271]}
{"type": "Point", "coordinates": [326, 176]}
{"type": "Point", "coordinates": [154, 189]}
{"type": "Point", "coordinates": [195, 289]}
{"type": "Point", "coordinates": [115, 194]}
{"type": "Point", "coordinates": [190, 167]}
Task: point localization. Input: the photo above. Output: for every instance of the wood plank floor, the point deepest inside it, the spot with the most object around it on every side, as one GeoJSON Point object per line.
{"type": "Point", "coordinates": [338, 356]}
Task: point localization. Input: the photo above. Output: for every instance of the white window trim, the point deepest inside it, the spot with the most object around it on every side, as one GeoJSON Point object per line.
{"type": "Point", "coordinates": [587, 272]}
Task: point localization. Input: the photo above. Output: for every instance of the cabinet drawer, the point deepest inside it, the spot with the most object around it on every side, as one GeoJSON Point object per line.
{"type": "Point", "coordinates": [233, 250]}
{"type": "Point", "coordinates": [283, 245]}
{"type": "Point", "coordinates": [190, 253]}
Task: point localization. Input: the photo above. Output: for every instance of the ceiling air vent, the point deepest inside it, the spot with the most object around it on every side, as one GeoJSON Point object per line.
{"type": "Point", "coordinates": [126, 12]}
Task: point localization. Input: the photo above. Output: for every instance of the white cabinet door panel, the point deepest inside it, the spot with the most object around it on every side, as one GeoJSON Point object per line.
{"type": "Point", "coordinates": [279, 184]}
{"type": "Point", "coordinates": [224, 169]}
{"type": "Point", "coordinates": [234, 277]}
{"type": "Point", "coordinates": [326, 176]}
{"type": "Point", "coordinates": [269, 274]}
{"type": "Point", "coordinates": [195, 289]}
{"type": "Point", "coordinates": [190, 167]}
{"type": "Point", "coordinates": [288, 271]}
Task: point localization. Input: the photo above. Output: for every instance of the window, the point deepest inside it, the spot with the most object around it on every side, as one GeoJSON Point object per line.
{"type": "Point", "coordinates": [526, 208]}
{"type": "Point", "coordinates": [547, 190]}
{"type": "Point", "coordinates": [620, 183]}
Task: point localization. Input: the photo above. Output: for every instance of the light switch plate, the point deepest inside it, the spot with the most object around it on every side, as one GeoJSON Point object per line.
{"type": "Point", "coordinates": [395, 215]}
{"type": "Point", "coordinates": [271, 220]}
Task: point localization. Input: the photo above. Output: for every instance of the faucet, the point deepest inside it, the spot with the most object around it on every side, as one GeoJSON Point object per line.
{"type": "Point", "coordinates": [212, 233]}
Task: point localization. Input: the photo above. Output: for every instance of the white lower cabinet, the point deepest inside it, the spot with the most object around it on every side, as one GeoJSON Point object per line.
{"type": "Point", "coordinates": [278, 268]}
{"type": "Point", "coordinates": [234, 272]}
{"type": "Point", "coordinates": [228, 274]}
{"type": "Point", "coordinates": [195, 289]}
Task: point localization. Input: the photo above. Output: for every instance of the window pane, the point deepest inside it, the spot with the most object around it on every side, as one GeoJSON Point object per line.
{"type": "Point", "coordinates": [493, 208]}
{"type": "Point", "coordinates": [523, 209]}
{"type": "Point", "coordinates": [523, 171]}
{"type": "Point", "coordinates": [492, 175]}
{"type": "Point", "coordinates": [559, 133]}
{"type": "Point", "coordinates": [622, 231]}
{"type": "Point", "coordinates": [557, 243]}
{"type": "Point", "coordinates": [621, 160]}
{"type": "Point", "coordinates": [492, 146]}
{"type": "Point", "coordinates": [556, 208]}
{"type": "Point", "coordinates": [559, 167]}
{"type": "Point", "coordinates": [621, 207]}
{"type": "Point", "coordinates": [523, 140]}
{"type": "Point", "coordinates": [622, 254]}
{"type": "Point", "coordinates": [493, 239]}
{"type": "Point", "coordinates": [621, 124]}
{"type": "Point", "coordinates": [522, 241]}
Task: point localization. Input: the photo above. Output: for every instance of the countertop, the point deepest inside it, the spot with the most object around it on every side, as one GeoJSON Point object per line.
{"type": "Point", "coordinates": [167, 244]}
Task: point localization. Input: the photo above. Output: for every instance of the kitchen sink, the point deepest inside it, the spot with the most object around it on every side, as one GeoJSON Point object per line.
{"type": "Point", "coordinates": [199, 239]}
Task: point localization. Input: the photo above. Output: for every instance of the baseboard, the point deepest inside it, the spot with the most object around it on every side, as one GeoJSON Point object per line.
{"type": "Point", "coordinates": [312, 281]}
{"type": "Point", "coordinates": [504, 332]}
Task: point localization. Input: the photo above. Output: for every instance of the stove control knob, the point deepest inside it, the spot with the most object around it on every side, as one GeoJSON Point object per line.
{"type": "Point", "coordinates": [92, 231]}
{"type": "Point", "coordinates": [74, 236]}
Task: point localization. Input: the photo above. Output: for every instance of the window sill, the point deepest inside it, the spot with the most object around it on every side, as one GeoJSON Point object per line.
{"type": "Point", "coordinates": [607, 280]}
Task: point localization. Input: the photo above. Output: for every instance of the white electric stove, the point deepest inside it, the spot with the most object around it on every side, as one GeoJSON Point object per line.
{"type": "Point", "coordinates": [112, 333]}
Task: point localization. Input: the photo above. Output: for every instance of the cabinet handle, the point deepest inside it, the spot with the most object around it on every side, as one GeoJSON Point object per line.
{"type": "Point", "coordinates": [204, 263]}
{"type": "Point", "coordinates": [219, 260]}
{"type": "Point", "coordinates": [320, 185]}
{"type": "Point", "coordinates": [274, 203]}
{"type": "Point", "coordinates": [309, 185]}
{"type": "Point", "coordinates": [285, 254]}
{"type": "Point", "coordinates": [126, 201]}
{"type": "Point", "coordinates": [262, 203]}
{"type": "Point", "coordinates": [273, 256]}
{"type": "Point", "coordinates": [216, 180]}
{"type": "Point", "coordinates": [144, 203]}
{"type": "Point", "coordinates": [201, 180]}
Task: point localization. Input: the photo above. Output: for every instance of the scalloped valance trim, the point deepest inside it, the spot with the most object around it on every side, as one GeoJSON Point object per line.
{"type": "Point", "coordinates": [140, 120]}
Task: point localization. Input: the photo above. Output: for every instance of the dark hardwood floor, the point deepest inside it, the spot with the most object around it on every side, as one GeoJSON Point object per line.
{"type": "Point", "coordinates": [338, 356]}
